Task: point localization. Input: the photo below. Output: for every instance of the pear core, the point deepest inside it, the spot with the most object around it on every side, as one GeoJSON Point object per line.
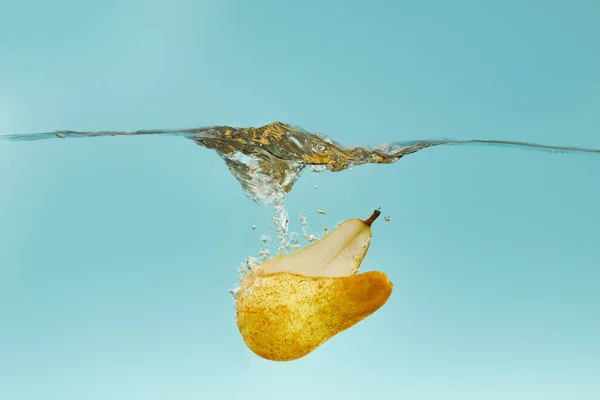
{"type": "Point", "coordinates": [286, 314]}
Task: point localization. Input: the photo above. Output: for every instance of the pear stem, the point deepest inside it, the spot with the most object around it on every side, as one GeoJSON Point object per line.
{"type": "Point", "coordinates": [373, 217]}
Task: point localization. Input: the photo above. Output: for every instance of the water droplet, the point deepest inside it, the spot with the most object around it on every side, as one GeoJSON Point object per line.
{"type": "Point", "coordinates": [265, 238]}
{"type": "Point", "coordinates": [321, 212]}
{"type": "Point", "coordinates": [253, 227]}
{"type": "Point", "coordinates": [316, 187]}
{"type": "Point", "coordinates": [387, 218]}
{"type": "Point", "coordinates": [325, 229]}
{"type": "Point", "coordinates": [379, 208]}
{"type": "Point", "coordinates": [264, 253]}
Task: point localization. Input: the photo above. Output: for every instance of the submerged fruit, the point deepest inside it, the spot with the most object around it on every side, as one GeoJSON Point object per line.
{"type": "Point", "coordinates": [291, 304]}
{"type": "Point", "coordinates": [285, 316]}
{"type": "Point", "coordinates": [339, 253]}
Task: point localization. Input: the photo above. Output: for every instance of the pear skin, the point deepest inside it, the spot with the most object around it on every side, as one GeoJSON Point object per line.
{"type": "Point", "coordinates": [285, 316]}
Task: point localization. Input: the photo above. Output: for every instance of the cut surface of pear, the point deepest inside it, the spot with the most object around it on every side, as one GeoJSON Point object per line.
{"type": "Point", "coordinates": [291, 304]}
{"type": "Point", "coordinates": [285, 316]}
{"type": "Point", "coordinates": [339, 253]}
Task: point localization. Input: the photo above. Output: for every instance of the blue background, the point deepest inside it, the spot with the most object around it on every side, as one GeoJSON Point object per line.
{"type": "Point", "coordinates": [116, 254]}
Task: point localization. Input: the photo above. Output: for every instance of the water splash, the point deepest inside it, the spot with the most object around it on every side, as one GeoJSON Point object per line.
{"type": "Point", "coordinates": [268, 160]}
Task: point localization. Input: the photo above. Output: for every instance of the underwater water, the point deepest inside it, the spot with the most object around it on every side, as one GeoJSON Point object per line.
{"type": "Point", "coordinates": [118, 251]}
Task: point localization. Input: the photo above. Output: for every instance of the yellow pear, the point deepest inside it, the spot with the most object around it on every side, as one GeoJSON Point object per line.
{"type": "Point", "coordinates": [288, 306]}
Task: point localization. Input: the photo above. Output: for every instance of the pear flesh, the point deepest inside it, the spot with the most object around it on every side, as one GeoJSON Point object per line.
{"type": "Point", "coordinates": [339, 253]}
{"type": "Point", "coordinates": [289, 305]}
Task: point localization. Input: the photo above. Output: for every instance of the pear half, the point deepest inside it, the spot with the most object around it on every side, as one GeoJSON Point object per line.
{"type": "Point", "coordinates": [289, 306]}
{"type": "Point", "coordinates": [339, 253]}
